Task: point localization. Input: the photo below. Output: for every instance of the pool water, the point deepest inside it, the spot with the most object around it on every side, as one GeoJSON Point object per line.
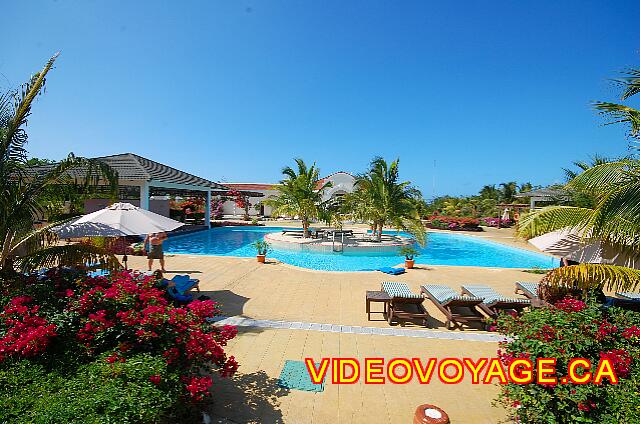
{"type": "Point", "coordinates": [441, 249]}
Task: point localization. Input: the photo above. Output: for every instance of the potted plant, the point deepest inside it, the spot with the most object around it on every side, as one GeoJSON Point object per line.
{"type": "Point", "coordinates": [409, 253]}
{"type": "Point", "coordinates": [262, 247]}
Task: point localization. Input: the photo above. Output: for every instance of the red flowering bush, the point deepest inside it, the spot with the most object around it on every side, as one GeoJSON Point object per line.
{"type": "Point", "coordinates": [66, 316]}
{"type": "Point", "coordinates": [453, 223]}
{"type": "Point", "coordinates": [574, 329]}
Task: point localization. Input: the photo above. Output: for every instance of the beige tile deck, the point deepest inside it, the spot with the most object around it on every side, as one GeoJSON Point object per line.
{"type": "Point", "coordinates": [253, 395]}
{"type": "Point", "coordinates": [276, 291]}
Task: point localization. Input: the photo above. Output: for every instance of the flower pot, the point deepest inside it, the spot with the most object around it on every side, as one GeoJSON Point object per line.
{"type": "Point", "coordinates": [261, 258]}
{"type": "Point", "coordinates": [408, 263]}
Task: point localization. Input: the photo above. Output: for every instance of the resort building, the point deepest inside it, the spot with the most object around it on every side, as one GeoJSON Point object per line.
{"type": "Point", "coordinates": [341, 183]}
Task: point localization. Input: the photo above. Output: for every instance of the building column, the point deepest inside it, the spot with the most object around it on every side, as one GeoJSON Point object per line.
{"type": "Point", "coordinates": [533, 204]}
{"type": "Point", "coordinates": [207, 210]}
{"type": "Point", "coordinates": [144, 196]}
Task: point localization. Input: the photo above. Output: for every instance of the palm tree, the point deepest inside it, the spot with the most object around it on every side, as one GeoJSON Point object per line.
{"type": "Point", "coordinates": [300, 194]}
{"type": "Point", "coordinates": [26, 191]}
{"type": "Point", "coordinates": [614, 218]}
{"type": "Point", "coordinates": [508, 191]}
{"type": "Point", "coordinates": [382, 200]}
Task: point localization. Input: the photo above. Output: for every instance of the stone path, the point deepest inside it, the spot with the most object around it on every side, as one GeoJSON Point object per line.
{"type": "Point", "coordinates": [353, 329]}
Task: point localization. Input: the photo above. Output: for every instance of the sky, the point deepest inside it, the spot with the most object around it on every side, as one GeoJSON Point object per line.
{"type": "Point", "coordinates": [465, 93]}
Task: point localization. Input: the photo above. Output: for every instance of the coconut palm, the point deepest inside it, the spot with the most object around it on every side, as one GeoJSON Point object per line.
{"type": "Point", "coordinates": [382, 200]}
{"type": "Point", "coordinates": [26, 191]}
{"type": "Point", "coordinates": [300, 194]}
{"type": "Point", "coordinates": [614, 218]}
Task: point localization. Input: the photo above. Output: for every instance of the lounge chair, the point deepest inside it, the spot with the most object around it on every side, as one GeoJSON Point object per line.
{"type": "Point", "coordinates": [625, 300]}
{"type": "Point", "coordinates": [185, 283]}
{"type": "Point", "coordinates": [494, 301]}
{"type": "Point", "coordinates": [530, 290]}
{"type": "Point", "coordinates": [404, 304]}
{"type": "Point", "coordinates": [629, 295]}
{"type": "Point", "coordinates": [458, 309]}
{"type": "Point", "coordinates": [392, 271]}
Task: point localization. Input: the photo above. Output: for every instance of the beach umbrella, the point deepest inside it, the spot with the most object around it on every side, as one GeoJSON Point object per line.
{"type": "Point", "coordinates": [569, 243]}
{"type": "Point", "coordinates": [117, 220]}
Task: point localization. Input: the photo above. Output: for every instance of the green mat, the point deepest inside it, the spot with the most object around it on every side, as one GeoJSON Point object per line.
{"type": "Point", "coordinates": [295, 375]}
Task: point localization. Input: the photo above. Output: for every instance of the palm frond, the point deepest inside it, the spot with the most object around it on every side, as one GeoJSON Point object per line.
{"type": "Point", "coordinates": [630, 83]}
{"type": "Point", "coordinates": [13, 135]}
{"type": "Point", "coordinates": [602, 177]}
{"type": "Point", "coordinates": [621, 114]}
{"type": "Point", "coordinates": [553, 218]}
{"type": "Point", "coordinates": [589, 276]}
{"type": "Point", "coordinates": [67, 255]}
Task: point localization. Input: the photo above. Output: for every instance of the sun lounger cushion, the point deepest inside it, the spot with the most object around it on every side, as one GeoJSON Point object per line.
{"type": "Point", "coordinates": [490, 295]}
{"type": "Point", "coordinates": [400, 290]}
{"type": "Point", "coordinates": [629, 295]}
{"type": "Point", "coordinates": [530, 287]}
{"type": "Point", "coordinates": [445, 293]}
{"type": "Point", "coordinates": [392, 271]}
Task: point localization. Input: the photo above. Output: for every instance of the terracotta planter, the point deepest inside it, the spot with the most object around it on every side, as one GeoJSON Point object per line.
{"type": "Point", "coordinates": [261, 258]}
{"type": "Point", "coordinates": [430, 414]}
{"type": "Point", "coordinates": [408, 263]}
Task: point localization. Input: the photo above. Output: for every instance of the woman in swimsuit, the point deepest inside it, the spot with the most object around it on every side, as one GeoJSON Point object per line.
{"type": "Point", "coordinates": [155, 248]}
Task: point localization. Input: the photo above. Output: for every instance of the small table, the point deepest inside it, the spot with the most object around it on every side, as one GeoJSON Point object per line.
{"type": "Point", "coordinates": [377, 296]}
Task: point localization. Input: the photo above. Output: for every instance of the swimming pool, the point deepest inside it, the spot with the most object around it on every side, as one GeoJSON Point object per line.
{"type": "Point", "coordinates": [442, 249]}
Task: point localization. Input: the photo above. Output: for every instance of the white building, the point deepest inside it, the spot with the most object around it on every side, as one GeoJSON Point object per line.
{"type": "Point", "coordinates": [341, 183]}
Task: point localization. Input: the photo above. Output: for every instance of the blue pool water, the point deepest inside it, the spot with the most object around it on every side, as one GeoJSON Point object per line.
{"type": "Point", "coordinates": [442, 249]}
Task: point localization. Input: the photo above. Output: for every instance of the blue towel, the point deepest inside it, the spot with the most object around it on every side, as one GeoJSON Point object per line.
{"type": "Point", "coordinates": [182, 298]}
{"type": "Point", "coordinates": [184, 283]}
{"type": "Point", "coordinates": [392, 271]}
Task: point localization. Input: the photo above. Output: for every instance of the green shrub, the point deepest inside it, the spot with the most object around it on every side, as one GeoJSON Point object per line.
{"type": "Point", "coordinates": [98, 392]}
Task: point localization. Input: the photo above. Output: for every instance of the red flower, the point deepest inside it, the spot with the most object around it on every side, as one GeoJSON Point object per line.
{"type": "Point", "coordinates": [605, 330]}
{"type": "Point", "coordinates": [620, 359]}
{"type": "Point", "coordinates": [155, 379]}
{"type": "Point", "coordinates": [569, 304]}
{"type": "Point", "coordinates": [198, 387]}
{"type": "Point", "coordinates": [631, 332]}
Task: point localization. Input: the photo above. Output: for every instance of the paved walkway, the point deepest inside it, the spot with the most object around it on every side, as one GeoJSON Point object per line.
{"type": "Point", "coordinates": [354, 329]}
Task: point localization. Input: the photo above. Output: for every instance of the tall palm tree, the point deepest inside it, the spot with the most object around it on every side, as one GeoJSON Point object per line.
{"type": "Point", "coordinates": [381, 199]}
{"type": "Point", "coordinates": [300, 194]}
{"type": "Point", "coordinates": [614, 218]}
{"type": "Point", "coordinates": [508, 191]}
{"type": "Point", "coordinates": [23, 201]}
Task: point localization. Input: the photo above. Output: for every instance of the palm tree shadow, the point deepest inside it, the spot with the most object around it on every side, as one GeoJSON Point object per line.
{"type": "Point", "coordinates": [247, 398]}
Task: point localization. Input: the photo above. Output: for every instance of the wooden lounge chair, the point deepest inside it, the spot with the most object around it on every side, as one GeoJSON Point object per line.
{"type": "Point", "coordinates": [530, 290]}
{"type": "Point", "coordinates": [625, 300]}
{"type": "Point", "coordinates": [404, 304]}
{"type": "Point", "coordinates": [493, 301]}
{"type": "Point", "coordinates": [629, 295]}
{"type": "Point", "coordinates": [458, 309]}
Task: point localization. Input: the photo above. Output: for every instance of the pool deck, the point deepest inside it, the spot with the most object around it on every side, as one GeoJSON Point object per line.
{"type": "Point", "coordinates": [285, 312]}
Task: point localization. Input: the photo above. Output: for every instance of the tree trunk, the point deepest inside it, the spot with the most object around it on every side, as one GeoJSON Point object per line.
{"type": "Point", "coordinates": [305, 227]}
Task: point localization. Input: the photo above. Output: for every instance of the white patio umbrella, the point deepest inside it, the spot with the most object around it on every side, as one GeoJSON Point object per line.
{"type": "Point", "coordinates": [117, 220]}
{"type": "Point", "coordinates": [568, 243]}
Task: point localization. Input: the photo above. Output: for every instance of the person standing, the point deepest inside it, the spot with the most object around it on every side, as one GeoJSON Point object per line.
{"type": "Point", "coordinates": [155, 248]}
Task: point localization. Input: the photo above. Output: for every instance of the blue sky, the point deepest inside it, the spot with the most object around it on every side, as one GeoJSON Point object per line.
{"type": "Point", "coordinates": [233, 90]}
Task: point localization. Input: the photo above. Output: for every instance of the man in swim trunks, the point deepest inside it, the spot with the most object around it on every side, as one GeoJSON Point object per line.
{"type": "Point", "coordinates": [155, 248]}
